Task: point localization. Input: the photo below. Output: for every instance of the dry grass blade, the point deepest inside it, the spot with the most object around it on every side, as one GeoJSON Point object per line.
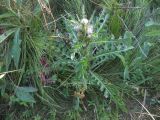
{"type": "Point", "coordinates": [46, 9]}
{"type": "Point", "coordinates": [2, 75]}
{"type": "Point", "coordinates": [146, 110]}
{"type": "Point", "coordinates": [144, 102]}
{"type": "Point", "coordinates": [147, 114]}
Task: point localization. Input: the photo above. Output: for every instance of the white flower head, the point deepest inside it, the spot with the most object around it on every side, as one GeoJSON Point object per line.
{"type": "Point", "coordinates": [84, 21]}
{"type": "Point", "coordinates": [90, 29]}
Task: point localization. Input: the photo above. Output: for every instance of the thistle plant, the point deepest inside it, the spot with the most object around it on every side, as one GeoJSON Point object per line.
{"type": "Point", "coordinates": [88, 48]}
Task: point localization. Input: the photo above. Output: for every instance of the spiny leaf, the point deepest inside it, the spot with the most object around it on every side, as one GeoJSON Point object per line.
{"type": "Point", "coordinates": [115, 96]}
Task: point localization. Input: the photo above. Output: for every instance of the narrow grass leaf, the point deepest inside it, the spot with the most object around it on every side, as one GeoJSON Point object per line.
{"type": "Point", "coordinates": [5, 35]}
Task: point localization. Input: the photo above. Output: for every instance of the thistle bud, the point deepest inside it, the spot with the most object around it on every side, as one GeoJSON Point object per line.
{"type": "Point", "coordinates": [84, 21]}
{"type": "Point", "coordinates": [90, 30]}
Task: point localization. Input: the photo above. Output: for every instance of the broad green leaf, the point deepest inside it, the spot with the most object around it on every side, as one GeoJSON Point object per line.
{"type": "Point", "coordinates": [5, 35]}
{"type": "Point", "coordinates": [26, 89]}
{"type": "Point", "coordinates": [25, 97]}
{"type": "Point", "coordinates": [24, 94]}
{"type": "Point", "coordinates": [16, 50]}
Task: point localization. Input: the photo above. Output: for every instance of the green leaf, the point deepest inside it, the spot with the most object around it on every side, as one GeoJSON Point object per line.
{"type": "Point", "coordinates": [126, 70]}
{"type": "Point", "coordinates": [16, 50]}
{"type": "Point", "coordinates": [25, 97]}
{"type": "Point", "coordinates": [151, 23]}
{"type": "Point", "coordinates": [54, 77]}
{"type": "Point", "coordinates": [121, 58]}
{"type": "Point", "coordinates": [115, 25]}
{"type": "Point", "coordinates": [26, 89]}
{"type": "Point", "coordinates": [128, 38]}
{"type": "Point", "coordinates": [5, 35]}
{"type": "Point", "coordinates": [116, 97]}
{"type": "Point", "coordinates": [126, 73]}
{"type": "Point", "coordinates": [153, 33]}
{"type": "Point", "coordinates": [113, 52]}
{"type": "Point", "coordinates": [109, 90]}
{"type": "Point", "coordinates": [146, 47]}
{"type": "Point", "coordinates": [6, 15]}
{"type": "Point", "coordinates": [24, 94]}
{"type": "Point", "coordinates": [19, 2]}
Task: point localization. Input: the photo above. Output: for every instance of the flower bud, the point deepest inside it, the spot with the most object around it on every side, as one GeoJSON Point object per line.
{"type": "Point", "coordinates": [84, 21]}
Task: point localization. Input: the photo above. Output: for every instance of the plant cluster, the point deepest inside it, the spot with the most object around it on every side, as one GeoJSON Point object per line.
{"type": "Point", "coordinates": [74, 63]}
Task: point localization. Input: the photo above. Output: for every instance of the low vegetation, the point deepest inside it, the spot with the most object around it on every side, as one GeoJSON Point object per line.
{"type": "Point", "coordinates": [80, 59]}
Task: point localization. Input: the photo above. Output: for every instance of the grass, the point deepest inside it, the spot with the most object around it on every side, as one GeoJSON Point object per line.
{"type": "Point", "coordinates": [75, 60]}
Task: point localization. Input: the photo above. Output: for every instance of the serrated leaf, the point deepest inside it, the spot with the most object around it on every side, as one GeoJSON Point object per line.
{"type": "Point", "coordinates": [5, 35]}
{"type": "Point", "coordinates": [115, 96]}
